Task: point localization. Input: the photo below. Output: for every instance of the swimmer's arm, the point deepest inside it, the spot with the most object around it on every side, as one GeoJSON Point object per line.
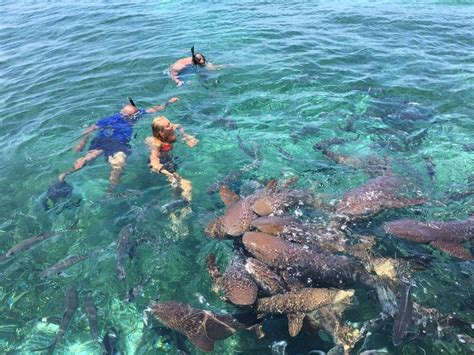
{"type": "Point", "coordinates": [163, 106]}
{"type": "Point", "coordinates": [174, 75]}
{"type": "Point", "coordinates": [211, 66]}
{"type": "Point", "coordinates": [155, 165]}
{"type": "Point", "coordinates": [154, 148]}
{"type": "Point", "coordinates": [190, 140]}
{"type": "Point", "coordinates": [85, 137]}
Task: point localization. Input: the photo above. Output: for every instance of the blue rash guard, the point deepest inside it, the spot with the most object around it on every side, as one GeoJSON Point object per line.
{"type": "Point", "coordinates": [115, 133]}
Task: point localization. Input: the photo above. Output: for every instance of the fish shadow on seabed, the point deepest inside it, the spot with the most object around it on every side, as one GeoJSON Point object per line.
{"type": "Point", "coordinates": [59, 198]}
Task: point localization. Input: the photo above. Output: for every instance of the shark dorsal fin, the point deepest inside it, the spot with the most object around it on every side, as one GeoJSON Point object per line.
{"type": "Point", "coordinates": [271, 186]}
{"type": "Point", "coordinates": [291, 181]}
{"type": "Point", "coordinates": [228, 196]}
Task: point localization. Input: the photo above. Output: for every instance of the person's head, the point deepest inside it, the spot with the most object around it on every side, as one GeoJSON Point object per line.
{"type": "Point", "coordinates": [161, 127]}
{"type": "Point", "coordinates": [198, 58]}
{"type": "Point", "coordinates": [129, 110]}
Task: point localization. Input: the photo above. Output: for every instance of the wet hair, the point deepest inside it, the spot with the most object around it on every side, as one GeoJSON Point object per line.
{"type": "Point", "coordinates": [195, 60]}
{"type": "Point", "coordinates": [157, 125]}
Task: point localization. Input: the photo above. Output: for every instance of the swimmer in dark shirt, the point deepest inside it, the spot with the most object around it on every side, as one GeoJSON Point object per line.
{"type": "Point", "coordinates": [160, 146]}
{"type": "Point", "coordinates": [112, 140]}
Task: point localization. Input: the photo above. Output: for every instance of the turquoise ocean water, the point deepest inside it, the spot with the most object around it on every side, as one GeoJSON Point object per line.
{"type": "Point", "coordinates": [396, 79]}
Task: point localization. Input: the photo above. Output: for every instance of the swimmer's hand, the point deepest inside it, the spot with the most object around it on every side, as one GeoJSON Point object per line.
{"type": "Point", "coordinates": [173, 100]}
{"type": "Point", "coordinates": [172, 178]}
{"type": "Point", "coordinates": [180, 83]}
{"type": "Point", "coordinates": [190, 141]}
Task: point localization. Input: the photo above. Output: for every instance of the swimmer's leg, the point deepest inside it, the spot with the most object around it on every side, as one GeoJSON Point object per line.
{"type": "Point", "coordinates": [117, 162]}
{"type": "Point", "coordinates": [81, 162]}
{"type": "Point", "coordinates": [186, 189]}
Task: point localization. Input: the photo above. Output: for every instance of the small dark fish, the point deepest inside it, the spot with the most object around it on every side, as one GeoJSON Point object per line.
{"type": "Point", "coordinates": [329, 142]}
{"type": "Point", "coordinates": [404, 315]}
{"type": "Point", "coordinates": [132, 251]}
{"type": "Point", "coordinates": [284, 153]}
{"type": "Point", "coordinates": [174, 205]}
{"type": "Point", "coordinates": [224, 123]}
{"type": "Point", "coordinates": [233, 177]}
{"type": "Point", "coordinates": [349, 125]}
{"type": "Point", "coordinates": [110, 341]}
{"type": "Point", "coordinates": [91, 312]}
{"type": "Point", "coordinates": [58, 268]}
{"type": "Point", "coordinates": [228, 180]}
{"type": "Point", "coordinates": [122, 249]}
{"type": "Point", "coordinates": [72, 302]}
{"type": "Point", "coordinates": [304, 131]}
{"type": "Point", "coordinates": [459, 195]}
{"type": "Point", "coordinates": [468, 147]}
{"type": "Point", "coordinates": [251, 153]}
{"type": "Point", "coordinates": [416, 138]}
{"type": "Point", "coordinates": [129, 193]}
{"type": "Point", "coordinates": [430, 167]}
{"type": "Point", "coordinates": [57, 191]}
{"type": "Point", "coordinates": [137, 290]}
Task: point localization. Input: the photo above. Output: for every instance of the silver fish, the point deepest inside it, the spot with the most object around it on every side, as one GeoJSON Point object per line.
{"type": "Point", "coordinates": [285, 153]}
{"type": "Point", "coordinates": [27, 244]}
{"type": "Point", "coordinates": [72, 302]}
{"type": "Point", "coordinates": [404, 315]}
{"type": "Point", "coordinates": [58, 268]}
{"type": "Point", "coordinates": [91, 312]}
{"type": "Point", "coordinates": [430, 168]}
{"type": "Point", "coordinates": [252, 153]}
{"type": "Point", "coordinates": [122, 248]}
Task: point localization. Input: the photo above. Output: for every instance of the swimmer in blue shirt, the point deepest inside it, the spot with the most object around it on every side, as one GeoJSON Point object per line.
{"type": "Point", "coordinates": [112, 140]}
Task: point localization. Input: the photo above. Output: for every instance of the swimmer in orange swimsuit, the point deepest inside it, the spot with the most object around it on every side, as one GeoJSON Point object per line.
{"type": "Point", "coordinates": [160, 146]}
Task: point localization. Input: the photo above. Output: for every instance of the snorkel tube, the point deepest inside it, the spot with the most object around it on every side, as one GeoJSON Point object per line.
{"type": "Point", "coordinates": [195, 61]}
{"type": "Point", "coordinates": [131, 101]}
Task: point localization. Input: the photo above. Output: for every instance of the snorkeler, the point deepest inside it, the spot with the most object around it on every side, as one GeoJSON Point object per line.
{"type": "Point", "coordinates": [160, 146]}
{"type": "Point", "coordinates": [112, 140]}
{"type": "Point", "coordinates": [196, 60]}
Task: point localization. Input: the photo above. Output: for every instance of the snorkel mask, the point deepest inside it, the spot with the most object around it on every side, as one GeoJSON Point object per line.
{"type": "Point", "coordinates": [195, 60]}
{"type": "Point", "coordinates": [135, 116]}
